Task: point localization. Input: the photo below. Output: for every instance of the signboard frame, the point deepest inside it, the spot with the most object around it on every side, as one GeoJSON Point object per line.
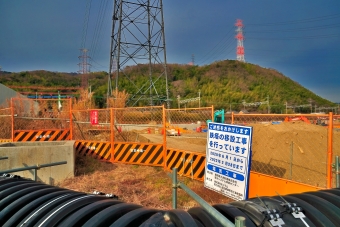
{"type": "Point", "coordinates": [228, 159]}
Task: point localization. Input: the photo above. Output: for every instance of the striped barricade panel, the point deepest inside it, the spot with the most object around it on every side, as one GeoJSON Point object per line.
{"type": "Point", "coordinates": [41, 135]}
{"type": "Point", "coordinates": [174, 158]}
{"type": "Point", "coordinates": [139, 153]}
{"type": "Point", "coordinates": [194, 165]}
{"type": "Point", "coordinates": [98, 150]}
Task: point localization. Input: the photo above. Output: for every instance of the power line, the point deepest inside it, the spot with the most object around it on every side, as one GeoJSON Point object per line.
{"type": "Point", "coordinates": [98, 27]}
{"type": "Point", "coordinates": [86, 23]}
{"type": "Point", "coordinates": [223, 41]}
{"type": "Point", "coordinates": [307, 20]}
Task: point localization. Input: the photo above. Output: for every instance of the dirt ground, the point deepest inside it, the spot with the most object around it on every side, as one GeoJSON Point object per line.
{"type": "Point", "coordinates": [290, 150]}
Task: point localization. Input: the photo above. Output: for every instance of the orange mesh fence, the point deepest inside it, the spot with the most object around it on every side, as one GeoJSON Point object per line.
{"type": "Point", "coordinates": [138, 124]}
{"type": "Point", "coordinates": [93, 125]}
{"type": "Point", "coordinates": [48, 118]}
{"type": "Point", "coordinates": [292, 147]}
{"type": "Point", "coordinates": [189, 125]}
{"type": "Point", "coordinates": [6, 124]}
{"type": "Point", "coordinates": [30, 114]}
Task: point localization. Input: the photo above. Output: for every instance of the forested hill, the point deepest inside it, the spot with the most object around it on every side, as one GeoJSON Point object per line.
{"type": "Point", "coordinates": [226, 84]}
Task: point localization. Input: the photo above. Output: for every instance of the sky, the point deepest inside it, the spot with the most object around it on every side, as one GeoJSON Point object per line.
{"type": "Point", "coordinates": [300, 39]}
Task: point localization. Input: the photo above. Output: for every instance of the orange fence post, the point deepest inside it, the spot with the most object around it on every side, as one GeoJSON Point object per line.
{"type": "Point", "coordinates": [330, 150]}
{"type": "Point", "coordinates": [12, 118]}
{"type": "Point", "coordinates": [71, 122]}
{"type": "Point", "coordinates": [112, 135]}
{"type": "Point", "coordinates": [232, 118]}
{"type": "Point", "coordinates": [212, 113]}
{"type": "Point", "coordinates": [164, 138]}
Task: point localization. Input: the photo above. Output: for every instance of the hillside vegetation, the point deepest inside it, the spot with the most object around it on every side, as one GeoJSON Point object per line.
{"type": "Point", "coordinates": [226, 84]}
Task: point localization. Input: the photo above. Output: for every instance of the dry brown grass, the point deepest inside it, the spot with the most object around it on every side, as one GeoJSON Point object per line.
{"type": "Point", "coordinates": [145, 185]}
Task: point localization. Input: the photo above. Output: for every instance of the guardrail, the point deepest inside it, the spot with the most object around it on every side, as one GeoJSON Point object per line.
{"type": "Point", "coordinates": [35, 168]}
{"type": "Point", "coordinates": [239, 221]}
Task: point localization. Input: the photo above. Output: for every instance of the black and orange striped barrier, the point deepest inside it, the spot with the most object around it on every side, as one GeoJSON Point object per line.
{"type": "Point", "coordinates": [189, 164]}
{"type": "Point", "coordinates": [139, 153]}
{"type": "Point", "coordinates": [41, 135]}
{"type": "Point", "coordinates": [174, 158]}
{"type": "Point", "coordinates": [194, 165]}
{"type": "Point", "coordinates": [99, 150]}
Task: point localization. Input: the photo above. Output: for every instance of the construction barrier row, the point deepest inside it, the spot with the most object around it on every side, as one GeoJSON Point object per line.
{"type": "Point", "coordinates": [189, 164]}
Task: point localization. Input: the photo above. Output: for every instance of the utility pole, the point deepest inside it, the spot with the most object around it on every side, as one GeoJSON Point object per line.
{"type": "Point", "coordinates": [178, 99]}
{"type": "Point", "coordinates": [268, 104]}
{"type": "Point", "coordinates": [199, 98]}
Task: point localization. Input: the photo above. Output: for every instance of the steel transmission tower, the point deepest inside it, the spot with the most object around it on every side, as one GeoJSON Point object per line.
{"type": "Point", "coordinates": [84, 68]}
{"type": "Point", "coordinates": [138, 39]}
{"type": "Point", "coordinates": [239, 36]}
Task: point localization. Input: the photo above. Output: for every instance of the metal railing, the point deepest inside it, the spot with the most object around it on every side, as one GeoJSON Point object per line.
{"type": "Point", "coordinates": [336, 167]}
{"type": "Point", "coordinates": [239, 221]}
{"type": "Point", "coordinates": [35, 168]}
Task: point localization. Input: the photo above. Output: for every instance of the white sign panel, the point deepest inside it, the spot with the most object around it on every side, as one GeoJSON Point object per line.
{"type": "Point", "coordinates": [228, 159]}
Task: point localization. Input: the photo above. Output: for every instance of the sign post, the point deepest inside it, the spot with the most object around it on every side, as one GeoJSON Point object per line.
{"type": "Point", "coordinates": [228, 159]}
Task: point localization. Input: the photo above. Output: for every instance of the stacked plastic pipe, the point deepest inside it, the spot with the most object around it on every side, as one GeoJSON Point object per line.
{"type": "Point", "coordinates": [26, 203]}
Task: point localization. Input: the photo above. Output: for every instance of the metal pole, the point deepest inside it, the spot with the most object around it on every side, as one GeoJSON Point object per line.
{"type": "Point", "coordinates": [337, 171]}
{"type": "Point", "coordinates": [2, 158]}
{"type": "Point", "coordinates": [174, 188]}
{"type": "Point", "coordinates": [291, 159]}
{"type": "Point", "coordinates": [35, 174]}
{"type": "Point", "coordinates": [240, 221]}
{"type": "Point", "coordinates": [211, 210]}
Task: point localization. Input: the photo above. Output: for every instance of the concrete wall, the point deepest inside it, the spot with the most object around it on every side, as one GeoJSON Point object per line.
{"type": "Point", "coordinates": [23, 154]}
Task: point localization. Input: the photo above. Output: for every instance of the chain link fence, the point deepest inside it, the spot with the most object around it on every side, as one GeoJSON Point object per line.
{"type": "Point", "coordinates": [139, 124]}
{"type": "Point", "coordinates": [292, 147]}
{"type": "Point", "coordinates": [41, 114]}
{"type": "Point", "coordinates": [6, 124]}
{"type": "Point", "coordinates": [186, 129]}
{"type": "Point", "coordinates": [91, 125]}
{"type": "Point", "coordinates": [288, 146]}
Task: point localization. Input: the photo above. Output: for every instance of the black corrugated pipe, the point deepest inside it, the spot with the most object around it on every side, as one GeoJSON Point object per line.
{"type": "Point", "coordinates": [24, 202]}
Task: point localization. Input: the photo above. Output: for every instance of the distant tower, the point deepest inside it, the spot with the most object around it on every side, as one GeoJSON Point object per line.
{"type": "Point", "coordinates": [137, 39]}
{"type": "Point", "coordinates": [84, 68]}
{"type": "Point", "coordinates": [239, 36]}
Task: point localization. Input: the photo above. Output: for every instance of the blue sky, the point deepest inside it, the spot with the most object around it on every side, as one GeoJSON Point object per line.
{"type": "Point", "coordinates": [300, 39]}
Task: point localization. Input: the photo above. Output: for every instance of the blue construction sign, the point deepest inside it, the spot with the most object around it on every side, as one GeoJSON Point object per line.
{"type": "Point", "coordinates": [228, 159]}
